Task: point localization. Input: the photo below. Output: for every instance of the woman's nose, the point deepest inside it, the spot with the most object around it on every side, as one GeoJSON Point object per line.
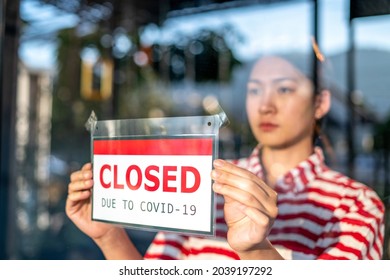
{"type": "Point", "coordinates": [267, 102]}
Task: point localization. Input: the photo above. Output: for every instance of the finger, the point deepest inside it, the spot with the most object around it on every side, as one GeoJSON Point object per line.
{"type": "Point", "coordinates": [80, 185]}
{"type": "Point", "coordinates": [79, 196]}
{"type": "Point", "coordinates": [249, 185]}
{"type": "Point", "coordinates": [258, 216]}
{"type": "Point", "coordinates": [241, 196]}
{"type": "Point", "coordinates": [84, 174]}
{"type": "Point", "coordinates": [244, 173]}
{"type": "Point", "coordinates": [87, 166]}
{"type": "Point", "coordinates": [232, 168]}
{"type": "Point", "coordinates": [246, 198]}
{"type": "Point", "coordinates": [262, 221]}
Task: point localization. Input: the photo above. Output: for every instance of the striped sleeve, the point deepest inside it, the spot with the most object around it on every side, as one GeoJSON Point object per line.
{"type": "Point", "coordinates": [359, 232]}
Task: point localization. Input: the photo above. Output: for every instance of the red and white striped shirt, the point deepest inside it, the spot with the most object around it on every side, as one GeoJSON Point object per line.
{"type": "Point", "coordinates": [322, 215]}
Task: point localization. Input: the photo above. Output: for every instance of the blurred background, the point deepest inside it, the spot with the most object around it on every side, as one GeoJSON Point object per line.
{"type": "Point", "coordinates": [61, 59]}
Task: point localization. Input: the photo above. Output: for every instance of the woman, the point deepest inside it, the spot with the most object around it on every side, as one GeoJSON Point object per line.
{"type": "Point", "coordinates": [282, 202]}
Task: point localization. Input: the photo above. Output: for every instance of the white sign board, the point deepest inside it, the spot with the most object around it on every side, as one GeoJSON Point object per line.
{"type": "Point", "coordinates": [154, 182]}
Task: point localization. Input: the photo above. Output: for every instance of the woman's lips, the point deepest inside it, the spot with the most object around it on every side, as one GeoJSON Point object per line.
{"type": "Point", "coordinates": [267, 127]}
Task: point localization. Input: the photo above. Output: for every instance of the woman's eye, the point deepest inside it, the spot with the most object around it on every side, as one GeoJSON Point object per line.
{"type": "Point", "coordinates": [253, 91]}
{"type": "Point", "coordinates": [285, 90]}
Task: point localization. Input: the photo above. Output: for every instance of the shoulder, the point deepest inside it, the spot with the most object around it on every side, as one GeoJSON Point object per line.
{"type": "Point", "coordinates": [348, 189]}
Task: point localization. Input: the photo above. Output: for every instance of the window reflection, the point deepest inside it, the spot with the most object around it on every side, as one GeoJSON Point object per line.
{"type": "Point", "coordinates": [169, 65]}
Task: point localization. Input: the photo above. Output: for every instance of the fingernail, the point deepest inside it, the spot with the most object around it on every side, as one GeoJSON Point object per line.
{"type": "Point", "coordinates": [217, 186]}
{"type": "Point", "coordinates": [215, 174]}
{"type": "Point", "coordinates": [87, 174]}
{"type": "Point", "coordinates": [88, 183]}
{"type": "Point", "coordinates": [218, 163]}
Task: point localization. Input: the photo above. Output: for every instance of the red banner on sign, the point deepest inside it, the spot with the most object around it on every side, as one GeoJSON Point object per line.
{"type": "Point", "coordinates": [179, 146]}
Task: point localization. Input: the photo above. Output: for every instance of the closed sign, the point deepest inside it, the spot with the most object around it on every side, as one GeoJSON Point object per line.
{"type": "Point", "coordinates": [154, 182]}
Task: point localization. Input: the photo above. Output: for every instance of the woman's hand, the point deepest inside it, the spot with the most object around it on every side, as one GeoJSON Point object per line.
{"type": "Point", "coordinates": [78, 203]}
{"type": "Point", "coordinates": [250, 206]}
{"type": "Point", "coordinates": [112, 240]}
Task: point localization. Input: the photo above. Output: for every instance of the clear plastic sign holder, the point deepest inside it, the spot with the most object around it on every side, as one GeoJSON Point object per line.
{"type": "Point", "coordinates": [154, 173]}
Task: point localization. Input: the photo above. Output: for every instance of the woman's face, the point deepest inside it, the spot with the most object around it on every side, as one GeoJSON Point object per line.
{"type": "Point", "coordinates": [280, 104]}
